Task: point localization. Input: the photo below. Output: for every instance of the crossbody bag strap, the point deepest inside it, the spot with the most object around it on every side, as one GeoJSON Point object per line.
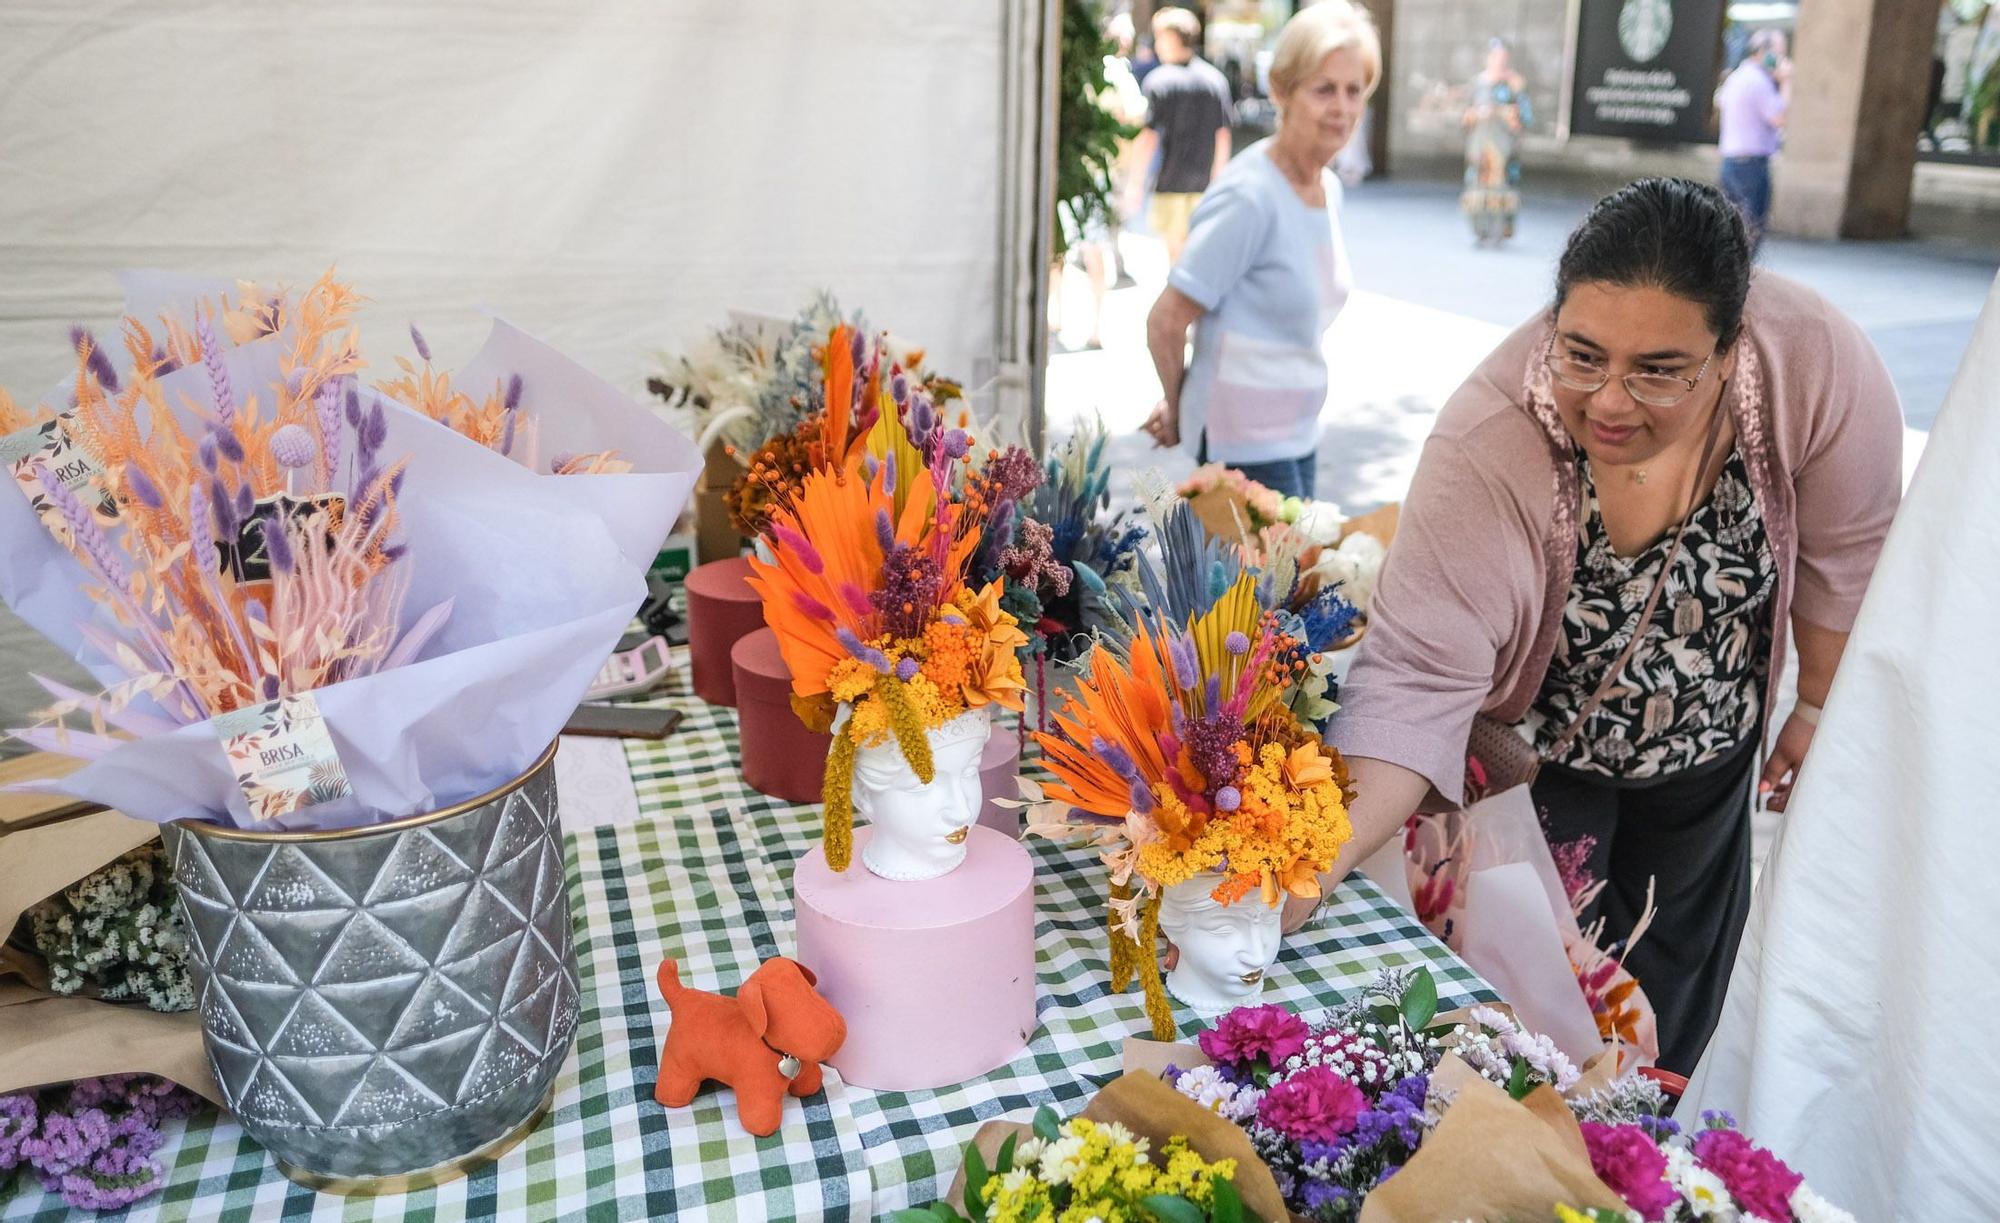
{"type": "Point", "coordinates": [1610, 679]}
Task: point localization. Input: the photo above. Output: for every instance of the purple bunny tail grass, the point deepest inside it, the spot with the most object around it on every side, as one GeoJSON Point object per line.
{"type": "Point", "coordinates": [513, 399]}
{"type": "Point", "coordinates": [85, 535]}
{"type": "Point", "coordinates": [277, 547]}
{"type": "Point", "coordinates": [164, 362]}
{"type": "Point", "coordinates": [246, 503]}
{"type": "Point", "coordinates": [856, 600]}
{"type": "Point", "coordinates": [423, 349]}
{"type": "Point", "coordinates": [1142, 797]}
{"type": "Point", "coordinates": [142, 489]}
{"type": "Point", "coordinates": [889, 475]}
{"type": "Point", "coordinates": [870, 467]}
{"type": "Point", "coordinates": [885, 535]}
{"type": "Point", "coordinates": [862, 650]}
{"type": "Point", "coordinates": [201, 537]}
{"type": "Point", "coordinates": [218, 370]}
{"type": "Point", "coordinates": [899, 389]}
{"type": "Point", "coordinates": [1187, 668]}
{"type": "Point", "coordinates": [1117, 758]}
{"type": "Point", "coordinates": [94, 360]}
{"type": "Point", "coordinates": [801, 547]}
{"type": "Point", "coordinates": [270, 687]}
{"type": "Point", "coordinates": [1211, 695]}
{"type": "Point", "coordinates": [353, 405]}
{"type": "Point", "coordinates": [507, 437]}
{"type": "Point", "coordinates": [859, 348]}
{"type": "Point", "coordinates": [225, 441]}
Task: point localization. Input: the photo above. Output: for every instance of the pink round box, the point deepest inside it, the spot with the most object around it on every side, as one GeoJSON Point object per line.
{"type": "Point", "coordinates": [721, 610]}
{"type": "Point", "coordinates": [1000, 777]}
{"type": "Point", "coordinates": [936, 979]}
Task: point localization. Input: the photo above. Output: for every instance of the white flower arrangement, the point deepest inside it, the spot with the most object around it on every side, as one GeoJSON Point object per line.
{"type": "Point", "coordinates": [118, 932]}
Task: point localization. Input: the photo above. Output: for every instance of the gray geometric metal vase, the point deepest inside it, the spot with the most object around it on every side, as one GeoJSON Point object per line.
{"type": "Point", "coordinates": [384, 1007]}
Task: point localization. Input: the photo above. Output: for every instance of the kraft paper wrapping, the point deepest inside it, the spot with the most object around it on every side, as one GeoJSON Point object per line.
{"type": "Point", "coordinates": [46, 1038]}
{"type": "Point", "coordinates": [1152, 1110]}
{"type": "Point", "coordinates": [1492, 1157]}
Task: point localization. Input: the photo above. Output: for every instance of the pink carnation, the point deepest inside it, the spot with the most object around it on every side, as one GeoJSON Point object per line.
{"type": "Point", "coordinates": [1314, 1105]}
{"type": "Point", "coordinates": [1632, 1166]}
{"type": "Point", "coordinates": [1249, 1032]}
{"type": "Point", "coordinates": [1759, 1181]}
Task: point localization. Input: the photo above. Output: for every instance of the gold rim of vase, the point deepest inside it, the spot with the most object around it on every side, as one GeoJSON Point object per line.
{"type": "Point", "coordinates": [229, 832]}
{"type": "Point", "coordinates": [425, 1178]}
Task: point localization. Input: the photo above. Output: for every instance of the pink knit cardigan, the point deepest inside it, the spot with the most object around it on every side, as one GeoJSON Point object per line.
{"type": "Point", "coordinates": [1468, 611]}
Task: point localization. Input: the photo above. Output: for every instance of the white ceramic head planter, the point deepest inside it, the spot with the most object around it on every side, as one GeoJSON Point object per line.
{"type": "Point", "coordinates": [1225, 950]}
{"type": "Point", "coordinates": [921, 829]}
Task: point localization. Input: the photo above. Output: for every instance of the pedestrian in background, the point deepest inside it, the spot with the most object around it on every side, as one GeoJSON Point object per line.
{"type": "Point", "coordinates": [1495, 115]}
{"type": "Point", "coordinates": [1187, 125]}
{"type": "Point", "coordinates": [1265, 271]}
{"type": "Point", "coordinates": [1752, 103]}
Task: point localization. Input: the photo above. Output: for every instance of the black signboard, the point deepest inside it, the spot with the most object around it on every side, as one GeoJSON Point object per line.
{"type": "Point", "coordinates": [1646, 69]}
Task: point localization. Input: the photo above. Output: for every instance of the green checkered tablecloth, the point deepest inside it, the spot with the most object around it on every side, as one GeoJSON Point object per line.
{"type": "Point", "coordinates": [704, 876]}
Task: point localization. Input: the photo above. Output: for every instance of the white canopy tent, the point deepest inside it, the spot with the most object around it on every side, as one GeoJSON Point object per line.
{"type": "Point", "coordinates": [612, 177]}
{"type": "Point", "coordinates": [1854, 1038]}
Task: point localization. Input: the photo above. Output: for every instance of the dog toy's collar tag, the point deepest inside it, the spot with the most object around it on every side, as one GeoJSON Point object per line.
{"type": "Point", "coordinates": [789, 1066]}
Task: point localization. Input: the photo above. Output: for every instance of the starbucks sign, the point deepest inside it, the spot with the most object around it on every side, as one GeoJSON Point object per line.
{"type": "Point", "coordinates": [1646, 69]}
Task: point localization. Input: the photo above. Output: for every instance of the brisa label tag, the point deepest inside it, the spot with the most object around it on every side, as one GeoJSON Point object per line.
{"type": "Point", "coordinates": [282, 755]}
{"type": "Point", "coordinates": [50, 444]}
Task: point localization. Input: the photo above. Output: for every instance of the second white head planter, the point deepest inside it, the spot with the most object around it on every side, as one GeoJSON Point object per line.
{"type": "Point", "coordinates": [1225, 950]}
{"type": "Point", "coordinates": [921, 828]}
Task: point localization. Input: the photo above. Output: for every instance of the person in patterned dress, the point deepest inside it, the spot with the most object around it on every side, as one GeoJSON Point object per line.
{"type": "Point", "coordinates": [1673, 421]}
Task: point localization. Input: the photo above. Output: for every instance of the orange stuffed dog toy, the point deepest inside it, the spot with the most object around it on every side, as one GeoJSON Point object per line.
{"type": "Point", "coordinates": [766, 1041]}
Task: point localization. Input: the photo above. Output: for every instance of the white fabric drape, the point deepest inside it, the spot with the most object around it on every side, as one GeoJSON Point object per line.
{"type": "Point", "coordinates": [1855, 1041]}
{"type": "Point", "coordinates": [612, 175]}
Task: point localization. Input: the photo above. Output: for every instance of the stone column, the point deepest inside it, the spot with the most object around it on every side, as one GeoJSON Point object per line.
{"type": "Point", "coordinates": [1860, 74]}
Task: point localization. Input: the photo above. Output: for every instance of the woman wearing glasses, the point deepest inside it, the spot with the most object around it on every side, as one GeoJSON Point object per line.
{"type": "Point", "coordinates": [1621, 524]}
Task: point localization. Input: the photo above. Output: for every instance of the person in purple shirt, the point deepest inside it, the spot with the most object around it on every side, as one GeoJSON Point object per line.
{"type": "Point", "coordinates": [1752, 102]}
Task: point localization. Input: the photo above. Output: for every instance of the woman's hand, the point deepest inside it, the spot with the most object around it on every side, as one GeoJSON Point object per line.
{"type": "Point", "coordinates": [1788, 755]}
{"type": "Point", "coordinates": [1299, 909]}
{"type": "Point", "coordinates": [1164, 425]}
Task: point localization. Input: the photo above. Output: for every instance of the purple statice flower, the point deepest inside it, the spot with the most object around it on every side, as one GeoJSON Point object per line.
{"type": "Point", "coordinates": [142, 489]}
{"type": "Point", "coordinates": [293, 447]}
{"type": "Point", "coordinates": [18, 1119]}
{"type": "Point", "coordinates": [912, 586]}
{"type": "Point", "coordinates": [417, 338]}
{"type": "Point", "coordinates": [1250, 1033]}
{"type": "Point", "coordinates": [1211, 748]}
{"type": "Point", "coordinates": [1322, 1199]}
{"type": "Point", "coordinates": [84, 532]}
{"type": "Point", "coordinates": [94, 360]}
{"type": "Point", "coordinates": [218, 371]}
{"type": "Point", "coordinates": [67, 1140]}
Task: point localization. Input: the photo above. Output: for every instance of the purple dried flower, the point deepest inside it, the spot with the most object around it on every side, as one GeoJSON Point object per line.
{"type": "Point", "coordinates": [885, 535]}
{"type": "Point", "coordinates": [870, 465]}
{"type": "Point", "coordinates": [856, 600]}
{"type": "Point", "coordinates": [812, 607]}
{"type": "Point", "coordinates": [799, 546]}
{"type": "Point", "coordinates": [66, 1141]}
{"type": "Point", "coordinates": [205, 450]}
{"type": "Point", "coordinates": [94, 359]}
{"type": "Point", "coordinates": [906, 669]}
{"type": "Point", "coordinates": [218, 370]}
{"type": "Point", "coordinates": [1236, 643]}
{"type": "Point", "coordinates": [1142, 797]}
{"type": "Point", "coordinates": [1211, 748]}
{"type": "Point", "coordinates": [889, 475]}
{"type": "Point", "coordinates": [507, 435]}
{"type": "Point", "coordinates": [1117, 758]}
{"type": "Point", "coordinates": [353, 407]}
{"type": "Point", "coordinates": [277, 548]}
{"type": "Point", "coordinates": [417, 338]}
{"type": "Point", "coordinates": [270, 687]}
{"type": "Point", "coordinates": [861, 649]}
{"type": "Point", "coordinates": [246, 503]}
{"type": "Point", "coordinates": [899, 389]}
{"type": "Point", "coordinates": [225, 441]}
{"type": "Point", "coordinates": [923, 419]}
{"type": "Point", "coordinates": [912, 587]}
{"type": "Point", "coordinates": [328, 403]}
{"type": "Point", "coordinates": [956, 444]}
{"type": "Point", "coordinates": [85, 535]}
{"type": "Point", "coordinates": [513, 399]}
{"type": "Point", "coordinates": [860, 350]}
{"type": "Point", "coordinates": [376, 431]}
{"type": "Point", "coordinates": [1187, 665]}
{"type": "Point", "coordinates": [293, 447]}
{"type": "Point", "coordinates": [1228, 798]}
{"type": "Point", "coordinates": [18, 1119]}
{"type": "Point", "coordinates": [201, 543]}
{"type": "Point", "coordinates": [141, 488]}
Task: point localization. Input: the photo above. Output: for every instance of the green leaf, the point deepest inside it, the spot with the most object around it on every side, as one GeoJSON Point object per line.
{"type": "Point", "coordinates": [915, 1214]}
{"type": "Point", "coordinates": [1047, 1128]}
{"type": "Point", "coordinates": [941, 1212]}
{"type": "Point", "coordinates": [1004, 1162]}
{"type": "Point", "coordinates": [1517, 1083]}
{"type": "Point", "coordinates": [975, 1180]}
{"type": "Point", "coordinates": [1420, 1001]}
{"type": "Point", "coordinates": [1172, 1208]}
{"type": "Point", "coordinates": [1227, 1206]}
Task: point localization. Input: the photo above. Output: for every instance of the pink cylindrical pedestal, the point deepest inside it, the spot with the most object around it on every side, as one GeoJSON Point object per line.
{"type": "Point", "coordinates": [1000, 777]}
{"type": "Point", "coordinates": [781, 757]}
{"type": "Point", "coordinates": [936, 979]}
{"type": "Point", "coordinates": [722, 609]}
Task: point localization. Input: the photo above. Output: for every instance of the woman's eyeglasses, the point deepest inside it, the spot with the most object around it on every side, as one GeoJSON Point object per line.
{"type": "Point", "coordinates": [1657, 390]}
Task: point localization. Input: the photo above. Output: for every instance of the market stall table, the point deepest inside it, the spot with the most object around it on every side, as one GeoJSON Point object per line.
{"type": "Point", "coordinates": [700, 868]}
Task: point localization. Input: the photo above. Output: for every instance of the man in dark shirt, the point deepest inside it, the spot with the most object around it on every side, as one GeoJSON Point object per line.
{"type": "Point", "coordinates": [1187, 124]}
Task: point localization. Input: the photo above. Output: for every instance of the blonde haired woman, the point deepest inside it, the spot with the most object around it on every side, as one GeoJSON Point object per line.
{"type": "Point", "coordinates": [1265, 271]}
